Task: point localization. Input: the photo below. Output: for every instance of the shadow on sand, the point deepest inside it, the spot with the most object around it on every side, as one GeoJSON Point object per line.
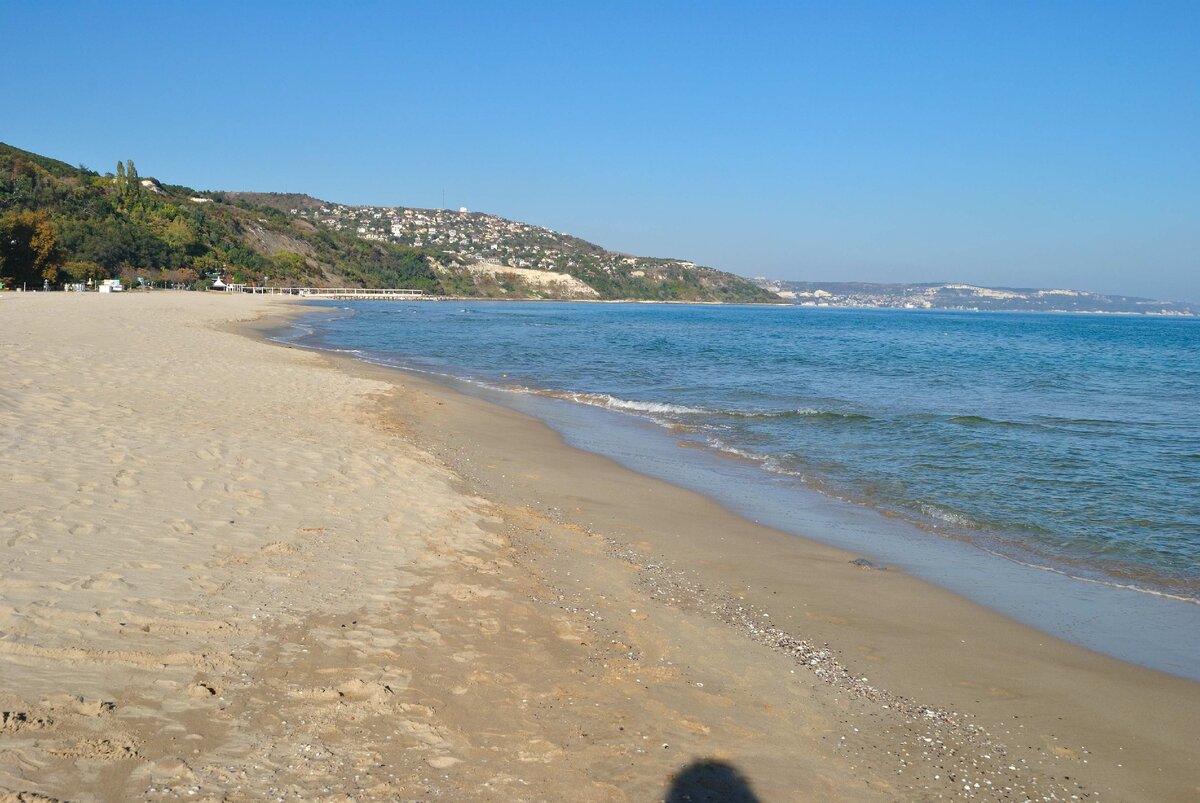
{"type": "Point", "coordinates": [710, 781]}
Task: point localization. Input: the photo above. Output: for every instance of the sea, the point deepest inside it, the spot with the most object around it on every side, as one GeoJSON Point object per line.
{"type": "Point", "coordinates": [1045, 465]}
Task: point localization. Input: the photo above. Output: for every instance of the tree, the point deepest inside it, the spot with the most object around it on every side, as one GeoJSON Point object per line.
{"type": "Point", "coordinates": [131, 185]}
{"type": "Point", "coordinates": [122, 181]}
{"type": "Point", "coordinates": [29, 252]}
{"type": "Point", "coordinates": [290, 264]}
{"type": "Point", "coordinates": [179, 234]}
{"type": "Point", "coordinates": [82, 272]}
{"type": "Point", "coordinates": [185, 276]}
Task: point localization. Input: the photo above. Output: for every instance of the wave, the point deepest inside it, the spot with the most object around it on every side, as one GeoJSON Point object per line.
{"type": "Point", "coordinates": [982, 421]}
{"type": "Point", "coordinates": [802, 412]}
{"type": "Point", "coordinates": [628, 405]}
{"type": "Point", "coordinates": [1102, 581]}
{"type": "Point", "coordinates": [947, 516]}
{"type": "Point", "coordinates": [1108, 422]}
{"type": "Point", "coordinates": [721, 446]}
{"type": "Point", "coordinates": [611, 402]}
{"type": "Point", "coordinates": [978, 419]}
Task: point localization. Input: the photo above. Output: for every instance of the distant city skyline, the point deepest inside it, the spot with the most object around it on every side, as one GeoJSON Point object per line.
{"type": "Point", "coordinates": [1018, 145]}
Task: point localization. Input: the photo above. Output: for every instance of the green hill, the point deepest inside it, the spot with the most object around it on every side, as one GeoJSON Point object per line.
{"type": "Point", "coordinates": [62, 224]}
{"type": "Point", "coordinates": [495, 243]}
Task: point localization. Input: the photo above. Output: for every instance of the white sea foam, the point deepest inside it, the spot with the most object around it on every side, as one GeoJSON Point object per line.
{"type": "Point", "coordinates": [628, 405]}
{"type": "Point", "coordinates": [948, 516]}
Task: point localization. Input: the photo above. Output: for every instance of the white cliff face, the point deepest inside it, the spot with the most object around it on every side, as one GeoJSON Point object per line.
{"type": "Point", "coordinates": [982, 292]}
{"type": "Point", "coordinates": [559, 283]}
{"type": "Point", "coordinates": [1061, 293]}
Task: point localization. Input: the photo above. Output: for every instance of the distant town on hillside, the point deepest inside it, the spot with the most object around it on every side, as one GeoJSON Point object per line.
{"type": "Point", "coordinates": [501, 246]}
{"type": "Point", "coordinates": [948, 296]}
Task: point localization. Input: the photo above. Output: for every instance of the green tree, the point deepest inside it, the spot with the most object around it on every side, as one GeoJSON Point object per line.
{"type": "Point", "coordinates": [289, 264]}
{"type": "Point", "coordinates": [179, 234]}
{"type": "Point", "coordinates": [29, 252]}
{"type": "Point", "coordinates": [82, 272]}
{"type": "Point", "coordinates": [131, 178]}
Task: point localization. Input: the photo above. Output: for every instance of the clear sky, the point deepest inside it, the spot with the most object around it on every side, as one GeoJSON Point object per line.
{"type": "Point", "coordinates": [1003, 143]}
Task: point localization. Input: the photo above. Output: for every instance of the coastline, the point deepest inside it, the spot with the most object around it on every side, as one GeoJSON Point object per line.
{"type": "Point", "coordinates": [499, 615]}
{"type": "Point", "coordinates": [1104, 606]}
{"type": "Point", "coordinates": [904, 631]}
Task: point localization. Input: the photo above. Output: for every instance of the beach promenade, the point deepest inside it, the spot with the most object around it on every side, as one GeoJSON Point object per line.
{"type": "Point", "coordinates": [236, 570]}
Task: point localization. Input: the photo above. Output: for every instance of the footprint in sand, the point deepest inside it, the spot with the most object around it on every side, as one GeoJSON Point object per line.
{"type": "Point", "coordinates": [209, 453]}
{"type": "Point", "coordinates": [206, 584]}
{"type": "Point", "coordinates": [124, 479]}
{"type": "Point", "coordinates": [104, 581]}
{"type": "Point", "coordinates": [21, 538]}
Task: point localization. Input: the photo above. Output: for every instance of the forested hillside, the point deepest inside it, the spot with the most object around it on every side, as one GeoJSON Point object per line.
{"type": "Point", "coordinates": [60, 223]}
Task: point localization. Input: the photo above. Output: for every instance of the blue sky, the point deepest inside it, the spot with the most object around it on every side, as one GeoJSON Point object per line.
{"type": "Point", "coordinates": [1006, 143]}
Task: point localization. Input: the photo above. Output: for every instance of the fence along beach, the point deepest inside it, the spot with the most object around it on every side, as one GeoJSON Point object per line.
{"type": "Point", "coordinates": [446, 600]}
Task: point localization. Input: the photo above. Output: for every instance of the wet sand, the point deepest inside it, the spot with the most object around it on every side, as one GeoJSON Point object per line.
{"type": "Point", "coordinates": [239, 571]}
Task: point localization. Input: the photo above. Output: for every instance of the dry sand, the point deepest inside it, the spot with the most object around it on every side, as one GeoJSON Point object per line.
{"type": "Point", "coordinates": [238, 571]}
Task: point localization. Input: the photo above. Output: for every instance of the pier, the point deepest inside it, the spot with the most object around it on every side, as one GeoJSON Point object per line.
{"type": "Point", "coordinates": [345, 293]}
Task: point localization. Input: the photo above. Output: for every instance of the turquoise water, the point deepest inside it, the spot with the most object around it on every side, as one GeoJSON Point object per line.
{"type": "Point", "coordinates": [1065, 442]}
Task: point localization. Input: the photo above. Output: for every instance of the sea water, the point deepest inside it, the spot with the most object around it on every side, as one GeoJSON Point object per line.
{"type": "Point", "coordinates": [1069, 444]}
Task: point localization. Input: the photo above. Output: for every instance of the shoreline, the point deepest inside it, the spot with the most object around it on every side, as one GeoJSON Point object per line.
{"type": "Point", "coordinates": [1113, 616]}
{"type": "Point", "coordinates": [293, 573]}
{"type": "Point", "coordinates": [887, 619]}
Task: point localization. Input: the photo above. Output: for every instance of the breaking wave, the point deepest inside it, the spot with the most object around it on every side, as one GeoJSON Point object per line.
{"type": "Point", "coordinates": [629, 405]}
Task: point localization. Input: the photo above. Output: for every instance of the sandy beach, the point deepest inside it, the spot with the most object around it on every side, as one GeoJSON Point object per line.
{"type": "Point", "coordinates": [236, 570]}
